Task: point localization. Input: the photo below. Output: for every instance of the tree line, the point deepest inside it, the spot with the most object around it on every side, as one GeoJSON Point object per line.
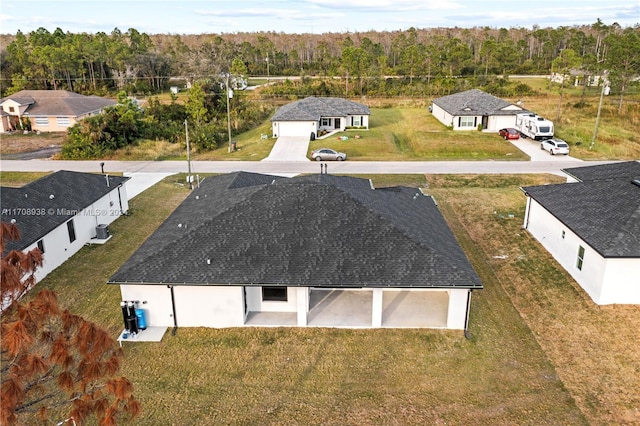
{"type": "Point", "coordinates": [139, 63]}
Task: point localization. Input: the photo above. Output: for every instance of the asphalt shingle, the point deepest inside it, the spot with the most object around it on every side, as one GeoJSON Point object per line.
{"type": "Point", "coordinates": [603, 210]}
{"type": "Point", "coordinates": [42, 205]}
{"type": "Point", "coordinates": [475, 102]}
{"type": "Point", "coordinates": [319, 230]}
{"type": "Point", "coordinates": [313, 109]}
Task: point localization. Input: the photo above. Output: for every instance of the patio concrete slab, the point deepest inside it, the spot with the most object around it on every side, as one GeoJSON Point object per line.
{"type": "Point", "coordinates": [338, 308]}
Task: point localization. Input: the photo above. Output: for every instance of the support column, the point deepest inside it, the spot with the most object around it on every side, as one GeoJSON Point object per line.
{"type": "Point", "coordinates": [302, 305]}
{"type": "Point", "coordinates": [376, 308]}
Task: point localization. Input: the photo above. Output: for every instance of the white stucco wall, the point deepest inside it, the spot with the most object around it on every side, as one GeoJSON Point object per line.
{"type": "Point", "coordinates": [621, 282]}
{"type": "Point", "coordinates": [256, 304]}
{"type": "Point", "coordinates": [204, 306]}
{"type": "Point", "coordinates": [441, 115]}
{"type": "Point", "coordinates": [606, 281]}
{"type": "Point", "coordinates": [154, 299]}
{"type": "Point", "coordinates": [457, 313]}
{"type": "Point", "coordinates": [58, 248]}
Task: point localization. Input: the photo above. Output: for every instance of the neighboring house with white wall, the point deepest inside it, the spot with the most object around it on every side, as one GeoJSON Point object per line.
{"type": "Point", "coordinates": [61, 212]}
{"type": "Point", "coordinates": [311, 116]}
{"type": "Point", "coordinates": [471, 108]}
{"type": "Point", "coordinates": [248, 249]}
{"type": "Point", "coordinates": [49, 110]}
{"type": "Point", "coordinates": [591, 226]}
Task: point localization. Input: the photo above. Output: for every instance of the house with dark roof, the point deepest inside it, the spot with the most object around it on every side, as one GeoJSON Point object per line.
{"type": "Point", "coordinates": [61, 212]}
{"type": "Point", "coordinates": [248, 249]}
{"type": "Point", "coordinates": [591, 226]}
{"type": "Point", "coordinates": [313, 116]}
{"type": "Point", "coordinates": [471, 108]}
{"type": "Point", "coordinates": [49, 110]}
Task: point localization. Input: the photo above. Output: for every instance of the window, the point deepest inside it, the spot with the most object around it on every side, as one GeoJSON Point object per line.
{"type": "Point", "coordinates": [355, 121]}
{"type": "Point", "coordinates": [275, 294]}
{"type": "Point", "coordinates": [41, 246]}
{"type": "Point", "coordinates": [580, 257]}
{"type": "Point", "coordinates": [467, 121]}
{"type": "Point", "coordinates": [12, 109]}
{"type": "Point", "coordinates": [42, 121]}
{"type": "Point", "coordinates": [72, 231]}
{"type": "Point", "coordinates": [325, 122]}
{"type": "Point", "coordinates": [63, 121]}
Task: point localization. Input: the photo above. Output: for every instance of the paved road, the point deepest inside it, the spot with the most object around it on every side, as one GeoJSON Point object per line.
{"type": "Point", "coordinates": [552, 164]}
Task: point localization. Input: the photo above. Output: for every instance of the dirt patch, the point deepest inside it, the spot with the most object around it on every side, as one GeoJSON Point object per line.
{"type": "Point", "coordinates": [17, 143]}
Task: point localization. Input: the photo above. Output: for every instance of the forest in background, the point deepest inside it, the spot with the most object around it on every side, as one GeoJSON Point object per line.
{"type": "Point", "coordinates": [143, 64]}
{"type": "Point", "coordinates": [416, 63]}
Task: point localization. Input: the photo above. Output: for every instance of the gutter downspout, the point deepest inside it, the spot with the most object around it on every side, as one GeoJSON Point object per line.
{"type": "Point", "coordinates": [173, 307]}
{"type": "Point", "coordinates": [467, 335]}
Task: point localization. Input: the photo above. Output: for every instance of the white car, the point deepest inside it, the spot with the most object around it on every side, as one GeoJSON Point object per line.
{"type": "Point", "coordinates": [555, 146]}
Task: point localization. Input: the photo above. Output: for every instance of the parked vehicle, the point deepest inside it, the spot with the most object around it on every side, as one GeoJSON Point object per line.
{"type": "Point", "coordinates": [326, 154]}
{"type": "Point", "coordinates": [509, 133]}
{"type": "Point", "coordinates": [533, 126]}
{"type": "Point", "coordinates": [555, 146]}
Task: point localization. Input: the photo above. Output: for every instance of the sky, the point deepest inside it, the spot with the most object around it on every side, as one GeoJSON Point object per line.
{"type": "Point", "coordinates": [305, 16]}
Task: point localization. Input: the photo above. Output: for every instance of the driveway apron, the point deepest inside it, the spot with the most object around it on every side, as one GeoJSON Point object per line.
{"type": "Point", "coordinates": [532, 149]}
{"type": "Point", "coordinates": [289, 148]}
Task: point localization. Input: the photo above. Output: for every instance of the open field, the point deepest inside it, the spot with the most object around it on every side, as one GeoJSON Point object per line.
{"type": "Point", "coordinates": [540, 351]}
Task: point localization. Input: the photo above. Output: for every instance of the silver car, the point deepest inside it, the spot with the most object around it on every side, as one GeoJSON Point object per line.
{"type": "Point", "coordinates": [555, 146]}
{"type": "Point", "coordinates": [326, 154]}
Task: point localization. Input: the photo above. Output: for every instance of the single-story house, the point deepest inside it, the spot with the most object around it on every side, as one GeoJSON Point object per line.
{"type": "Point", "coordinates": [311, 116]}
{"type": "Point", "coordinates": [591, 226]}
{"type": "Point", "coordinates": [248, 249]}
{"type": "Point", "coordinates": [49, 110]}
{"type": "Point", "coordinates": [61, 212]}
{"type": "Point", "coordinates": [471, 108]}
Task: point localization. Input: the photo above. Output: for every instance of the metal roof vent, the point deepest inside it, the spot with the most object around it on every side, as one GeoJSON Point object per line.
{"type": "Point", "coordinates": [636, 182]}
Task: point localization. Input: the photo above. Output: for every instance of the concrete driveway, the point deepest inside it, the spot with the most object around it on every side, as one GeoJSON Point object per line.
{"type": "Point", "coordinates": [289, 148]}
{"type": "Point", "coordinates": [532, 149]}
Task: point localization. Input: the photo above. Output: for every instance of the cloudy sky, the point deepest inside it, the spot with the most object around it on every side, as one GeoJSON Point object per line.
{"type": "Point", "coordinates": [305, 16]}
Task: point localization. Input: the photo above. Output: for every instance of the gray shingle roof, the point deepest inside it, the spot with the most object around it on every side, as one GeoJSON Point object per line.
{"type": "Point", "coordinates": [622, 169]}
{"type": "Point", "coordinates": [59, 102]}
{"type": "Point", "coordinates": [605, 213]}
{"type": "Point", "coordinates": [32, 205]}
{"type": "Point", "coordinates": [313, 109]}
{"type": "Point", "coordinates": [317, 230]}
{"type": "Point", "coordinates": [475, 102]}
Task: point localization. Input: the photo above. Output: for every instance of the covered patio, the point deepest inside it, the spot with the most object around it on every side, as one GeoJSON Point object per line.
{"type": "Point", "coordinates": [353, 308]}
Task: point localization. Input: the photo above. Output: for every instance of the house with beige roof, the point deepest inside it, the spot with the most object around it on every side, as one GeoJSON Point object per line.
{"type": "Point", "coordinates": [48, 110]}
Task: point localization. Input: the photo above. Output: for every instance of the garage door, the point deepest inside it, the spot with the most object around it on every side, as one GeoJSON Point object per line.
{"type": "Point", "coordinates": [295, 128]}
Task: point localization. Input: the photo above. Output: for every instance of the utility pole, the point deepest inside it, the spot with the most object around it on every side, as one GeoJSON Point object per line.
{"type": "Point", "coordinates": [267, 59]}
{"type": "Point", "coordinates": [595, 130]}
{"type": "Point", "coordinates": [228, 113]}
{"type": "Point", "coordinates": [189, 177]}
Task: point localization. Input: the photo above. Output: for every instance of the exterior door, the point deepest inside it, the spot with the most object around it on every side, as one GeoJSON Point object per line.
{"type": "Point", "coordinates": [336, 123]}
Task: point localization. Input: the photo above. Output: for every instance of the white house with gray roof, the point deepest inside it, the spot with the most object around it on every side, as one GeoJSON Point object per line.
{"type": "Point", "coordinates": [311, 116]}
{"type": "Point", "coordinates": [469, 109]}
{"type": "Point", "coordinates": [49, 110]}
{"type": "Point", "coordinates": [248, 249]}
{"type": "Point", "coordinates": [62, 212]}
{"type": "Point", "coordinates": [591, 226]}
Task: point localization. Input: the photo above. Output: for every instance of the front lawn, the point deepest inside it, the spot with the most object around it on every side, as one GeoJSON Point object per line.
{"type": "Point", "coordinates": [540, 351]}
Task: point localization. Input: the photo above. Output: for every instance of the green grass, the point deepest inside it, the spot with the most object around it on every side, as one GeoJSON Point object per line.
{"type": "Point", "coordinates": [18, 179]}
{"type": "Point", "coordinates": [399, 134]}
{"type": "Point", "coordinates": [528, 362]}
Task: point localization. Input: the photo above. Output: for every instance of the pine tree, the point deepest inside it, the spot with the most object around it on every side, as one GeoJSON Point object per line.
{"type": "Point", "coordinates": [53, 363]}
